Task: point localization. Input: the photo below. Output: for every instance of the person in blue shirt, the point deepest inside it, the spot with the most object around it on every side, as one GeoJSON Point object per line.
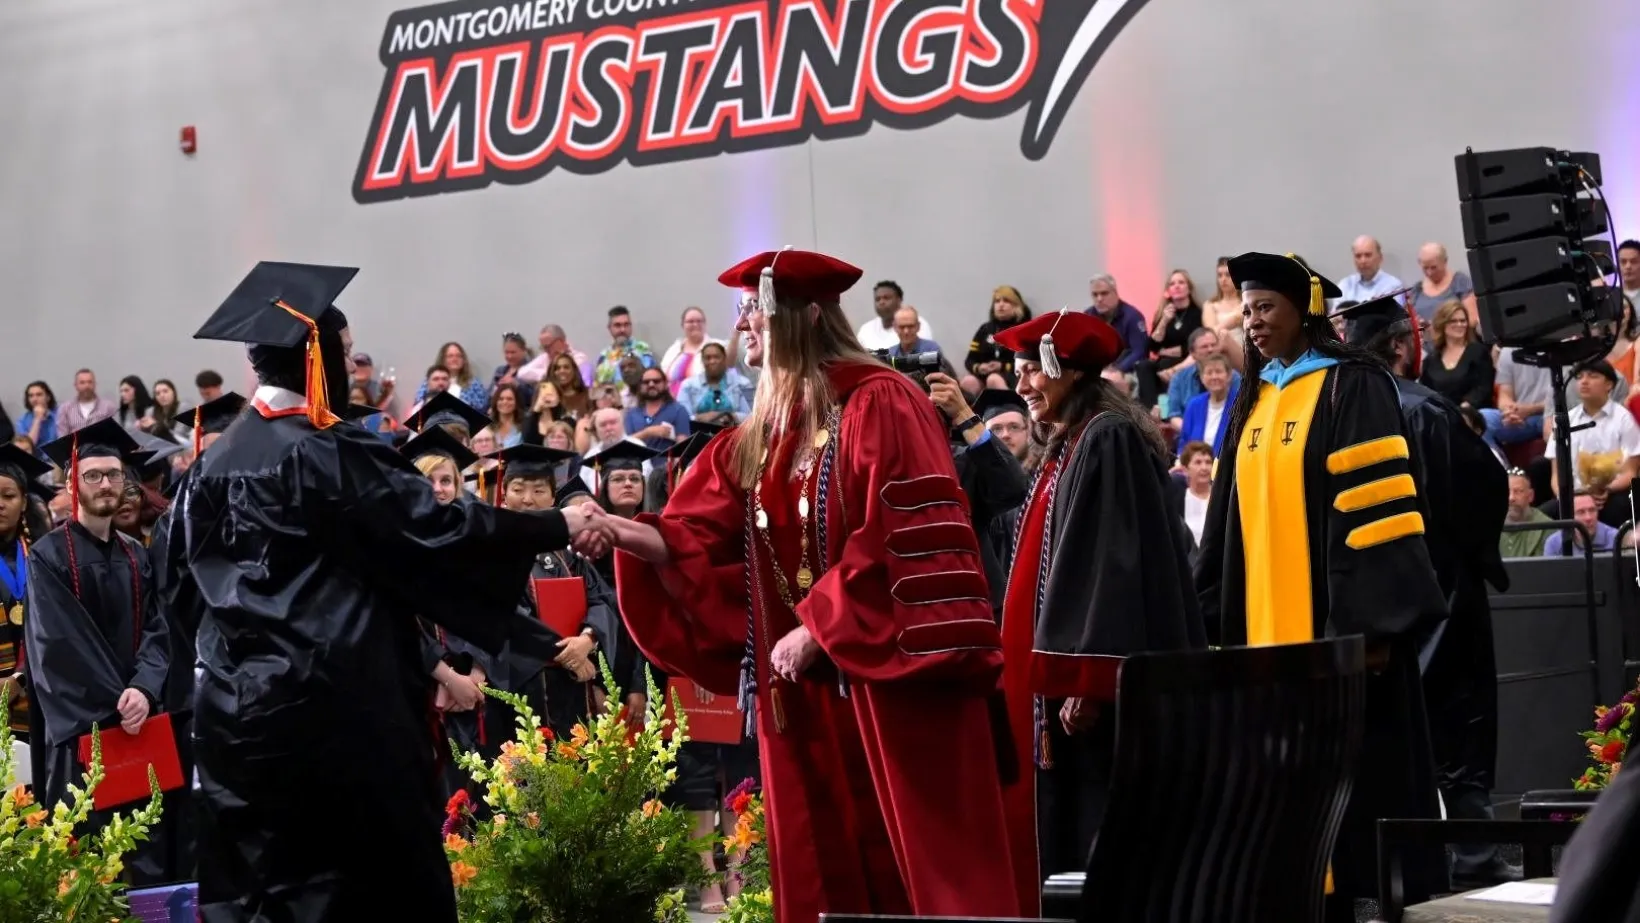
{"type": "Point", "coordinates": [39, 419]}
{"type": "Point", "coordinates": [717, 389]}
{"type": "Point", "coordinates": [1587, 513]}
{"type": "Point", "coordinates": [658, 420]}
{"type": "Point", "coordinates": [1206, 417]}
{"type": "Point", "coordinates": [1129, 323]}
{"type": "Point", "coordinates": [1187, 384]}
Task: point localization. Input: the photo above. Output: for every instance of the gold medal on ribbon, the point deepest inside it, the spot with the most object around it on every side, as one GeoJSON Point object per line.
{"type": "Point", "coordinates": [16, 614]}
{"type": "Point", "coordinates": [803, 507]}
{"type": "Point", "coordinates": [821, 438]}
{"type": "Point", "coordinates": [805, 578]}
{"type": "Point", "coordinates": [762, 519]}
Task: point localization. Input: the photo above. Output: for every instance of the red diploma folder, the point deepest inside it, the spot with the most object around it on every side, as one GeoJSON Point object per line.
{"type": "Point", "coordinates": [561, 604]}
{"type": "Point", "coordinates": [713, 719]}
{"type": "Point", "coordinates": [126, 759]}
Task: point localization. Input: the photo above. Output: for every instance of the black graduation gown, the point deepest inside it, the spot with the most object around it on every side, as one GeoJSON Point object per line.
{"type": "Point", "coordinates": [1118, 583]}
{"type": "Point", "coordinates": [1597, 880]}
{"type": "Point", "coordinates": [1466, 495]}
{"type": "Point", "coordinates": [1358, 583]}
{"type": "Point", "coordinates": [85, 650]}
{"type": "Point", "coordinates": [994, 483]}
{"type": "Point", "coordinates": [312, 551]}
{"type": "Point", "coordinates": [182, 609]}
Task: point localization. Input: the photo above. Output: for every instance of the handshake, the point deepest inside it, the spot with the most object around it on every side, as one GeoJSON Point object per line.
{"type": "Point", "coordinates": [594, 533]}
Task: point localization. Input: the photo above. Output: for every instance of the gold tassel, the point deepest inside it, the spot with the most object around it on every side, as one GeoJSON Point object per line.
{"type": "Point", "coordinates": [1318, 304]}
{"type": "Point", "coordinates": [777, 707]}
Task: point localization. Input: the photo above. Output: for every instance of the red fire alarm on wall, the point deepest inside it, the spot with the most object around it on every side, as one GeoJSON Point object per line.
{"type": "Point", "coordinates": [190, 142]}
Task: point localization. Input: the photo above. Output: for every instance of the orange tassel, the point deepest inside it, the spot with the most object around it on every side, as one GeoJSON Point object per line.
{"type": "Point", "coordinates": [500, 479]}
{"type": "Point", "coordinates": [199, 431]}
{"type": "Point", "coordinates": [318, 395]}
{"type": "Point", "coordinates": [482, 493]}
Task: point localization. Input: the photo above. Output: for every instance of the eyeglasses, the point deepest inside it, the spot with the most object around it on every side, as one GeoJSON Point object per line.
{"type": "Point", "coordinates": [114, 476]}
{"type": "Point", "coordinates": [1009, 428]}
{"type": "Point", "coordinates": [614, 479]}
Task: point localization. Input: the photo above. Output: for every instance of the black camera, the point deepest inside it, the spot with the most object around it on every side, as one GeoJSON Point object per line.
{"type": "Point", "coordinates": [921, 363]}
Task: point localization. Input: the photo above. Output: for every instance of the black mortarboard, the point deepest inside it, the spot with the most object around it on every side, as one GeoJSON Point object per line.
{"type": "Point", "coordinates": [1307, 289]}
{"type": "Point", "coordinates": [359, 411]}
{"type": "Point", "coordinates": [105, 438]}
{"type": "Point", "coordinates": [435, 441]}
{"type": "Point", "coordinates": [1388, 314]}
{"type": "Point", "coordinates": [19, 464]}
{"type": "Point", "coordinates": [624, 455]}
{"type": "Point", "coordinates": [214, 416]}
{"type": "Point", "coordinates": [531, 461]}
{"type": "Point", "coordinates": [443, 408]}
{"type": "Point", "coordinates": [155, 454]}
{"type": "Point", "coordinates": [703, 428]}
{"type": "Point", "coordinates": [684, 450]}
{"type": "Point", "coordinates": [573, 485]}
{"type": "Point", "coordinates": [252, 314]}
{"type": "Point", "coordinates": [993, 401]}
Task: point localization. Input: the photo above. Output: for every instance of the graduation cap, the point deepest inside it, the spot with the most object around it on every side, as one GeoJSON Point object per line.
{"type": "Point", "coordinates": [212, 417]}
{"type": "Point", "coordinates": [154, 457]}
{"type": "Point", "coordinates": [704, 428]}
{"type": "Point", "coordinates": [1288, 274]}
{"type": "Point", "coordinates": [445, 408]}
{"type": "Point", "coordinates": [792, 274]}
{"type": "Point", "coordinates": [359, 411]}
{"type": "Point", "coordinates": [525, 461]}
{"type": "Point", "coordinates": [624, 455]}
{"type": "Point", "coordinates": [681, 454]}
{"type": "Point", "coordinates": [26, 470]}
{"type": "Point", "coordinates": [105, 438]}
{"type": "Point", "coordinates": [280, 305]}
{"type": "Point", "coordinates": [993, 401]}
{"type": "Point", "coordinates": [1387, 314]}
{"type": "Point", "coordinates": [1063, 339]}
{"type": "Point", "coordinates": [436, 441]}
{"type": "Point", "coordinates": [572, 486]}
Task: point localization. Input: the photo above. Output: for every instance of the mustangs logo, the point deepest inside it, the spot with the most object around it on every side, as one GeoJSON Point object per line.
{"type": "Point", "coordinates": [509, 90]}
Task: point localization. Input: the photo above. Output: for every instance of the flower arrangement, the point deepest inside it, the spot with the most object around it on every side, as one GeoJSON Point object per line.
{"type": "Point", "coordinates": [1608, 742]}
{"type": "Point", "coordinates": [749, 854]}
{"type": "Point", "coordinates": [578, 833]}
{"type": "Point", "coordinates": [46, 874]}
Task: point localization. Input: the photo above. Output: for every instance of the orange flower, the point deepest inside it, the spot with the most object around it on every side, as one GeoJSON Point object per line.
{"type": "Point", "coordinates": [578, 736]}
{"type": "Point", "coordinates": [454, 843]}
{"type": "Point", "coordinates": [461, 873]}
{"type": "Point", "coordinates": [652, 808]}
{"type": "Point", "coordinates": [21, 798]}
{"type": "Point", "coordinates": [532, 820]}
{"type": "Point", "coordinates": [568, 752]}
{"type": "Point", "coordinates": [66, 882]}
{"type": "Point", "coordinates": [35, 819]}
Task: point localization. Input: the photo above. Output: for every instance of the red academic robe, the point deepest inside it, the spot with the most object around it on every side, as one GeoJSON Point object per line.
{"type": "Point", "coordinates": [886, 800]}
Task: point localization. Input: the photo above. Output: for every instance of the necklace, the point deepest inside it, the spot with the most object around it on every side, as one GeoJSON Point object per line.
{"type": "Point", "coordinates": [16, 581]}
{"type": "Point", "coordinates": [758, 517]}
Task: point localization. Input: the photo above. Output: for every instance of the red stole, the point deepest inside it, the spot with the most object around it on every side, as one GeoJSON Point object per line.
{"type": "Point", "coordinates": [1018, 639]}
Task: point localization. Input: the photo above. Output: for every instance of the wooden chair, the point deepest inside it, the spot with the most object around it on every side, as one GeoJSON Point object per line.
{"type": "Point", "coordinates": [1232, 771]}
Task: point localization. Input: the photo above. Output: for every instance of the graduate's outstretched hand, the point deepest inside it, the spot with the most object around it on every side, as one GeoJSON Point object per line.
{"type": "Point", "coordinates": [794, 653]}
{"type": "Point", "coordinates": [133, 709]}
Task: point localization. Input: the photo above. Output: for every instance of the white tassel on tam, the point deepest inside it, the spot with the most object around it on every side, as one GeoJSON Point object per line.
{"type": "Point", "coordinates": [765, 284]}
{"type": "Point", "coordinates": [1050, 359]}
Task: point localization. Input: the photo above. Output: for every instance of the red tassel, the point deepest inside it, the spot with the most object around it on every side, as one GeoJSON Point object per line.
{"type": "Point", "coordinates": [199, 431]}
{"type": "Point", "coordinates": [500, 484]}
{"type": "Point", "coordinates": [74, 509]}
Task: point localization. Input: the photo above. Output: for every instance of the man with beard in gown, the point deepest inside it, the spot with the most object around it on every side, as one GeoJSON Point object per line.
{"type": "Point", "coordinates": [95, 641]}
{"type": "Point", "coordinates": [1465, 495]}
{"type": "Point", "coordinates": [819, 561]}
{"type": "Point", "coordinates": [314, 547]}
{"type": "Point", "coordinates": [1315, 530]}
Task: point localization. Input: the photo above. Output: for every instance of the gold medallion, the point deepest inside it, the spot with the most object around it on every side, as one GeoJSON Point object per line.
{"type": "Point", "coordinates": [821, 438]}
{"type": "Point", "coordinates": [762, 519]}
{"type": "Point", "coordinates": [805, 578]}
{"type": "Point", "coordinates": [803, 507]}
{"type": "Point", "coordinates": [16, 614]}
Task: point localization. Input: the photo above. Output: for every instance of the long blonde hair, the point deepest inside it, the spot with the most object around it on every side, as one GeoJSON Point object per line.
{"type": "Point", "coordinates": [794, 393]}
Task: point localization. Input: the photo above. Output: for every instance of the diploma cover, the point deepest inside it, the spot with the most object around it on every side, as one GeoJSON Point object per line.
{"type": "Point", "coordinates": [126, 759]}
{"type": "Point", "coordinates": [561, 604]}
{"type": "Point", "coordinates": [714, 719]}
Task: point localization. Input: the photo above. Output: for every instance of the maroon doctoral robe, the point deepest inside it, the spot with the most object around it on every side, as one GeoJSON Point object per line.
{"type": "Point", "coordinates": [882, 790]}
